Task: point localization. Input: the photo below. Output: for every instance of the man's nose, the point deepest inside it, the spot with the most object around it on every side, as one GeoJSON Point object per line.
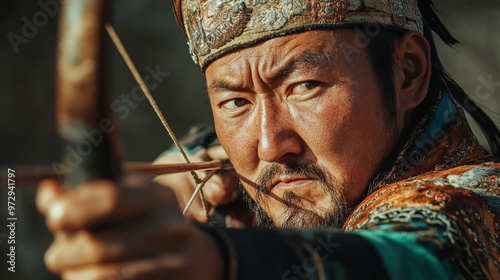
{"type": "Point", "coordinates": [278, 139]}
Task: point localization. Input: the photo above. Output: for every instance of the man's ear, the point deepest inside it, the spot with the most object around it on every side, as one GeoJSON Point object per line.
{"type": "Point", "coordinates": [412, 70]}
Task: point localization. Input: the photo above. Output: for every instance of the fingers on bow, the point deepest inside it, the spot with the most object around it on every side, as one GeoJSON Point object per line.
{"type": "Point", "coordinates": [223, 187]}
{"type": "Point", "coordinates": [98, 202]}
{"type": "Point", "coordinates": [87, 252]}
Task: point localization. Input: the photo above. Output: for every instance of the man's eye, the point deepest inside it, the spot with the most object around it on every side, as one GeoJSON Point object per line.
{"type": "Point", "coordinates": [301, 88]}
{"type": "Point", "coordinates": [235, 103]}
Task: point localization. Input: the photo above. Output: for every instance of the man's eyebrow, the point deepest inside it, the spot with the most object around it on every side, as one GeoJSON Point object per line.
{"type": "Point", "coordinates": [307, 59]}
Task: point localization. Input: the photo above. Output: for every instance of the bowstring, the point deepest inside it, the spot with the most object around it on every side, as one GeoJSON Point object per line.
{"type": "Point", "coordinates": [199, 190]}
{"type": "Point", "coordinates": [198, 182]}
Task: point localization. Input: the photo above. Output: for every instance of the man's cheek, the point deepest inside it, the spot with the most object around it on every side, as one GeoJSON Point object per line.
{"type": "Point", "coordinates": [242, 157]}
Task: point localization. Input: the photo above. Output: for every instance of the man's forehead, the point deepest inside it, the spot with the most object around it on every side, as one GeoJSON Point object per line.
{"type": "Point", "coordinates": [309, 46]}
{"type": "Point", "coordinates": [277, 69]}
{"type": "Point", "coordinates": [277, 57]}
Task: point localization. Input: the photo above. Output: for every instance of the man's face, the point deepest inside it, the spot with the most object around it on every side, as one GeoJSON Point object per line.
{"type": "Point", "coordinates": [302, 123]}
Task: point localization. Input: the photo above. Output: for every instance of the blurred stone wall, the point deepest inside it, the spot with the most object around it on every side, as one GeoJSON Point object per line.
{"type": "Point", "coordinates": [149, 32]}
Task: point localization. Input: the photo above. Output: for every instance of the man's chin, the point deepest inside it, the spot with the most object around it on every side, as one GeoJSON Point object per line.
{"type": "Point", "coordinates": [300, 213]}
{"type": "Point", "coordinates": [307, 219]}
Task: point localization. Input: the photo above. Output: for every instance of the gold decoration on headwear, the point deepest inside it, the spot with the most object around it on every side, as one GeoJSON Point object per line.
{"type": "Point", "coordinates": [216, 27]}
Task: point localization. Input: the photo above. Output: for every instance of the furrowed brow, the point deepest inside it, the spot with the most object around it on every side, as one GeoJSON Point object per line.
{"type": "Point", "coordinates": [308, 59]}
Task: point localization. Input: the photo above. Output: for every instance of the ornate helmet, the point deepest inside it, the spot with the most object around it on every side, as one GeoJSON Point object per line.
{"type": "Point", "coordinates": [216, 27]}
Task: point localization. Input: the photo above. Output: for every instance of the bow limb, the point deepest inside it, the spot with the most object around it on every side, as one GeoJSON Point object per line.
{"type": "Point", "coordinates": [82, 103]}
{"type": "Point", "coordinates": [82, 107]}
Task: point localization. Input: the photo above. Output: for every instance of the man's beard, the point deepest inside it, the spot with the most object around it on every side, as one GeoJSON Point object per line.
{"type": "Point", "coordinates": [294, 215]}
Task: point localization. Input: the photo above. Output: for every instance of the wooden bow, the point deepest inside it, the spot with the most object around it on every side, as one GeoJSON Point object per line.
{"type": "Point", "coordinates": [82, 99]}
{"type": "Point", "coordinates": [83, 105]}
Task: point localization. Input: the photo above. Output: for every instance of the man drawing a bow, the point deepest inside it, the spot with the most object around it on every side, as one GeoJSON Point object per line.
{"type": "Point", "coordinates": [350, 146]}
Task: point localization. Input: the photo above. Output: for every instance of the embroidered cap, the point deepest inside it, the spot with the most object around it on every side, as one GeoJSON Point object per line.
{"type": "Point", "coordinates": [216, 27]}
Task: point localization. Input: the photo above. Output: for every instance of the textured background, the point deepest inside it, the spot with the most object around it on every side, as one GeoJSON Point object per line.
{"type": "Point", "coordinates": [150, 34]}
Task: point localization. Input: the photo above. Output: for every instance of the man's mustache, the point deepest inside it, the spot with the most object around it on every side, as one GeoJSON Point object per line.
{"type": "Point", "coordinates": [299, 168]}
